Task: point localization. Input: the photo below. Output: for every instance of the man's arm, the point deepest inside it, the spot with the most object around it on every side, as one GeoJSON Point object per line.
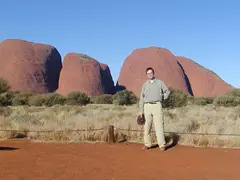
{"type": "Point", "coordinates": [165, 90]}
{"type": "Point", "coordinates": [141, 103]}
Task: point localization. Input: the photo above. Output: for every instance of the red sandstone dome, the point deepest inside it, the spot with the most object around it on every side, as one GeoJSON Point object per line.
{"type": "Point", "coordinates": [176, 72]}
{"type": "Point", "coordinates": [84, 74]}
{"type": "Point", "coordinates": [203, 81]}
{"type": "Point", "coordinates": [132, 74]}
{"type": "Point", "coordinates": [30, 67]}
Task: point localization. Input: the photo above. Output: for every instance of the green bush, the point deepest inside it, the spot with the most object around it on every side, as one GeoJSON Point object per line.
{"type": "Point", "coordinates": [4, 86]}
{"type": "Point", "coordinates": [227, 101]}
{"type": "Point", "coordinates": [77, 98]}
{"type": "Point", "coordinates": [52, 99]}
{"type": "Point", "coordinates": [202, 100]}
{"type": "Point", "coordinates": [235, 92]}
{"type": "Point", "coordinates": [124, 97]}
{"type": "Point", "coordinates": [6, 99]}
{"type": "Point", "coordinates": [37, 100]}
{"type": "Point", "coordinates": [48, 100]}
{"type": "Point", "coordinates": [104, 99]}
{"type": "Point", "coordinates": [230, 99]}
{"type": "Point", "coordinates": [177, 98]}
{"type": "Point", "coordinates": [21, 98]}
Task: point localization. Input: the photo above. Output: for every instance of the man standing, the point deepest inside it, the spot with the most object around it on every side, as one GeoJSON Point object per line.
{"type": "Point", "coordinates": [153, 92]}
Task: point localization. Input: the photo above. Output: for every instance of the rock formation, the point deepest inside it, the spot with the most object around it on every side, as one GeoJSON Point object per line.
{"type": "Point", "coordinates": [84, 74]}
{"type": "Point", "coordinates": [30, 67]}
{"type": "Point", "coordinates": [203, 81]}
{"type": "Point", "coordinates": [37, 68]}
{"type": "Point", "coordinates": [132, 74]}
{"type": "Point", "coordinates": [177, 72]}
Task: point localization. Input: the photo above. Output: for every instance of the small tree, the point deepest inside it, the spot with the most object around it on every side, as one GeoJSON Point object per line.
{"type": "Point", "coordinates": [52, 99]}
{"type": "Point", "coordinates": [104, 99]}
{"type": "Point", "coordinates": [78, 98]}
{"type": "Point", "coordinates": [125, 97]}
{"type": "Point", "coordinates": [177, 98]}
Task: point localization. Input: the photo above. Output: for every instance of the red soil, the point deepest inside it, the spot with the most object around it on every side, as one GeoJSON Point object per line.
{"type": "Point", "coordinates": [118, 161]}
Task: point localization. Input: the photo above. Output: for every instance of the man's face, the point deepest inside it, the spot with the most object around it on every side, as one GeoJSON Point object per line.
{"type": "Point", "coordinates": [150, 74]}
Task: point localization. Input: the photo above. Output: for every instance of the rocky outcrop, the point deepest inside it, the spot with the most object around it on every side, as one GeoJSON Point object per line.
{"type": "Point", "coordinates": [37, 68]}
{"type": "Point", "coordinates": [203, 82]}
{"type": "Point", "coordinates": [30, 67]}
{"type": "Point", "coordinates": [84, 74]}
{"type": "Point", "coordinates": [133, 75]}
{"type": "Point", "coordinates": [177, 72]}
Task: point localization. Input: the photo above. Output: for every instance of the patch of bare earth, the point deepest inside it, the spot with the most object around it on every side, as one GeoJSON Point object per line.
{"type": "Point", "coordinates": [23, 159]}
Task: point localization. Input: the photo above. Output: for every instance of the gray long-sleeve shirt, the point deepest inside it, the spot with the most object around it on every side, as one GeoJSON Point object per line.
{"type": "Point", "coordinates": [152, 92]}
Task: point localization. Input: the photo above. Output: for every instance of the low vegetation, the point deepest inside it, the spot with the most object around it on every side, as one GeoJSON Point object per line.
{"type": "Point", "coordinates": [195, 120]}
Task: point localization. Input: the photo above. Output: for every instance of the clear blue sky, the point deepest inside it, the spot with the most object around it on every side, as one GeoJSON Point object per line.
{"type": "Point", "coordinates": [206, 31]}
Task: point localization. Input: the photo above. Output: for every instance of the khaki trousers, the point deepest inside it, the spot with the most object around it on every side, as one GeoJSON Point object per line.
{"type": "Point", "coordinates": [153, 114]}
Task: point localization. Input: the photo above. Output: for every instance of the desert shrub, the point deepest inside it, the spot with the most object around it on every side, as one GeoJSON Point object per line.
{"type": "Point", "coordinates": [21, 98]}
{"type": "Point", "coordinates": [177, 98]}
{"type": "Point", "coordinates": [6, 99]}
{"type": "Point", "coordinates": [77, 98]}
{"type": "Point", "coordinates": [190, 100]}
{"type": "Point", "coordinates": [36, 100]}
{"type": "Point", "coordinates": [52, 99]}
{"type": "Point", "coordinates": [4, 86]}
{"type": "Point", "coordinates": [202, 100]}
{"type": "Point", "coordinates": [92, 99]}
{"type": "Point", "coordinates": [235, 92]}
{"type": "Point", "coordinates": [48, 100]}
{"type": "Point", "coordinates": [104, 99]}
{"type": "Point", "coordinates": [124, 97]}
{"type": "Point", "coordinates": [227, 101]}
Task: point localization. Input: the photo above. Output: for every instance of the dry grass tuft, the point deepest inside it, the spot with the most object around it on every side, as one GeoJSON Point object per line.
{"type": "Point", "coordinates": [60, 120]}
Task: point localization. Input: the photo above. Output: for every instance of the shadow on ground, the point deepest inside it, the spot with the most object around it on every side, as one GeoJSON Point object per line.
{"type": "Point", "coordinates": [2, 148]}
{"type": "Point", "coordinates": [171, 139]}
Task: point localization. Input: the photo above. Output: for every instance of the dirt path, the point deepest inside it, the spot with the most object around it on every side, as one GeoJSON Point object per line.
{"type": "Point", "coordinates": [114, 162]}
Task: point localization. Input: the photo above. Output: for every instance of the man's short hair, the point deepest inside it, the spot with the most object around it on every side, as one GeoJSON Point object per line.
{"type": "Point", "coordinates": [149, 68]}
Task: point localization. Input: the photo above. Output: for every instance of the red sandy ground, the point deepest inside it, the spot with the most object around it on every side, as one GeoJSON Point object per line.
{"type": "Point", "coordinates": [114, 162]}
